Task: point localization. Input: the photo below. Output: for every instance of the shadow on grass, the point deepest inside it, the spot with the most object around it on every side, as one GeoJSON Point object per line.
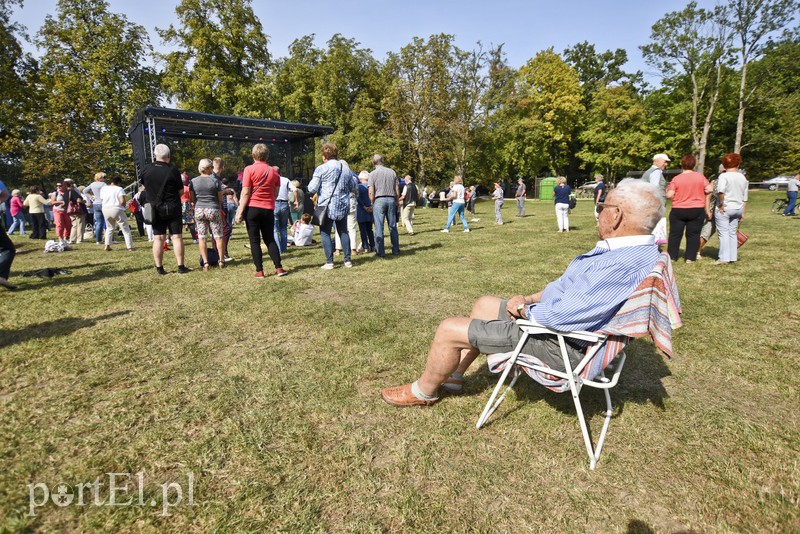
{"type": "Point", "coordinates": [641, 382]}
{"type": "Point", "coordinates": [88, 277]}
{"type": "Point", "coordinates": [59, 327]}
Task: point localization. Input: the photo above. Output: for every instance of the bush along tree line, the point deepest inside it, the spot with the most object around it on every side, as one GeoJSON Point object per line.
{"type": "Point", "coordinates": [729, 81]}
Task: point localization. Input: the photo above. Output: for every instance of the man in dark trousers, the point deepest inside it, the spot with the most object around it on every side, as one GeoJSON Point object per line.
{"type": "Point", "coordinates": [163, 188]}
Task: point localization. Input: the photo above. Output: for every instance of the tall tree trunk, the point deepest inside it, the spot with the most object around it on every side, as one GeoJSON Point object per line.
{"type": "Point", "coordinates": [737, 146]}
{"type": "Point", "coordinates": [695, 113]}
{"type": "Point", "coordinates": [701, 153]}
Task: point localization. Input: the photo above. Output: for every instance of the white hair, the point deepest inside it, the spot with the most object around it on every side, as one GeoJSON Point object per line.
{"type": "Point", "coordinates": [161, 152]}
{"type": "Point", "coordinates": [643, 201]}
{"type": "Point", "coordinates": [204, 165]}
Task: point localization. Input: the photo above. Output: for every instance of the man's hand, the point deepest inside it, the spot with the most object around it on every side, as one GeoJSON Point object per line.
{"type": "Point", "coordinates": [513, 306]}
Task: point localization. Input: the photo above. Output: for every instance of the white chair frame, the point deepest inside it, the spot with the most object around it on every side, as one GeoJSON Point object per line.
{"type": "Point", "coordinates": [572, 376]}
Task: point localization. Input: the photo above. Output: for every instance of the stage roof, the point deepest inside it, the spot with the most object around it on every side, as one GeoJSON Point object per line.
{"type": "Point", "coordinates": [195, 125]}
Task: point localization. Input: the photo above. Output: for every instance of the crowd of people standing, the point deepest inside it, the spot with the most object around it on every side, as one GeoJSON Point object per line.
{"type": "Point", "coordinates": [347, 205]}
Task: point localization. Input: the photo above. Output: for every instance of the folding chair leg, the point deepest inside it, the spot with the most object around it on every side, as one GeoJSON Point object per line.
{"type": "Point", "coordinates": [593, 452]}
{"type": "Point", "coordinates": [584, 428]}
{"type": "Point", "coordinates": [606, 422]}
{"type": "Point", "coordinates": [490, 408]}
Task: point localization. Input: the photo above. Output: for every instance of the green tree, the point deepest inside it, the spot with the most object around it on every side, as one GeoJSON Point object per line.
{"type": "Point", "coordinates": [752, 22]}
{"type": "Point", "coordinates": [347, 89]}
{"type": "Point", "coordinates": [93, 80]}
{"type": "Point", "coordinates": [419, 105]}
{"type": "Point", "coordinates": [597, 70]}
{"type": "Point", "coordinates": [493, 134]}
{"type": "Point", "coordinates": [469, 85]}
{"type": "Point", "coordinates": [16, 86]}
{"type": "Point", "coordinates": [547, 104]}
{"type": "Point", "coordinates": [294, 83]}
{"type": "Point", "coordinates": [693, 42]}
{"type": "Point", "coordinates": [615, 137]}
{"type": "Point", "coordinates": [774, 114]}
{"type": "Point", "coordinates": [221, 53]}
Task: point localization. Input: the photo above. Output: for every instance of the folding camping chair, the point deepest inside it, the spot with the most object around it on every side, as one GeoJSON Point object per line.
{"type": "Point", "coordinates": [654, 308]}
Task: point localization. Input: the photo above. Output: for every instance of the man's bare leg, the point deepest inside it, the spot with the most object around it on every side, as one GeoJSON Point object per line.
{"type": "Point", "coordinates": [158, 250]}
{"type": "Point", "coordinates": [487, 309]}
{"type": "Point", "coordinates": [450, 350]}
{"type": "Point", "coordinates": [445, 353]}
{"type": "Point", "coordinates": [177, 244]}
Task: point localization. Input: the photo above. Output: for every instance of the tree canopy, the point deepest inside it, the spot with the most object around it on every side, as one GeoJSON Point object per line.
{"type": "Point", "coordinates": [431, 108]}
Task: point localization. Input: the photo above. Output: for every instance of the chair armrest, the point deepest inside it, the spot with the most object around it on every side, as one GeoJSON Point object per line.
{"type": "Point", "coordinates": [532, 327]}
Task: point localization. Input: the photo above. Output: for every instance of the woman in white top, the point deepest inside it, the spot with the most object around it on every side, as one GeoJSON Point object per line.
{"type": "Point", "coordinates": [113, 199]}
{"type": "Point", "coordinates": [459, 203]}
{"type": "Point", "coordinates": [731, 202]}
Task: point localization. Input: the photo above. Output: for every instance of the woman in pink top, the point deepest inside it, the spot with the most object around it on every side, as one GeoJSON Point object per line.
{"type": "Point", "coordinates": [257, 209]}
{"type": "Point", "coordinates": [17, 213]}
{"type": "Point", "coordinates": [688, 192]}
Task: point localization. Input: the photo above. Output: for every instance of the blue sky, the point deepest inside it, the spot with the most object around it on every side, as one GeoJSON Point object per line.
{"type": "Point", "coordinates": [525, 27]}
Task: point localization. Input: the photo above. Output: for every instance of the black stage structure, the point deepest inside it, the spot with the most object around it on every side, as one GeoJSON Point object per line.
{"type": "Point", "coordinates": [290, 144]}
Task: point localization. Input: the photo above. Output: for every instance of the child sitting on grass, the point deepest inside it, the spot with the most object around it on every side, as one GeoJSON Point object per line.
{"type": "Point", "coordinates": [302, 231]}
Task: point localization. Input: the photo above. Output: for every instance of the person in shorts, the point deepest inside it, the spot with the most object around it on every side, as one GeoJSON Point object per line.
{"type": "Point", "coordinates": [161, 177]}
{"type": "Point", "coordinates": [206, 194]}
{"type": "Point", "coordinates": [586, 297]}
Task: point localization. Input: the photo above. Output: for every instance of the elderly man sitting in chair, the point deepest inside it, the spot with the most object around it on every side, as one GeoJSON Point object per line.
{"type": "Point", "coordinates": [586, 297]}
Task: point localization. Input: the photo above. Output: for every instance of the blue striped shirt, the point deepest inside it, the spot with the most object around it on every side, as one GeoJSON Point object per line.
{"type": "Point", "coordinates": [334, 190]}
{"type": "Point", "coordinates": [596, 284]}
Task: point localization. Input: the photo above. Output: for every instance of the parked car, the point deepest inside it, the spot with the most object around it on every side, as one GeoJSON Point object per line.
{"type": "Point", "coordinates": [773, 184]}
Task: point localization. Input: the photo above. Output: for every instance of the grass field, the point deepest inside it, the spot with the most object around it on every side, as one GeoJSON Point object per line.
{"type": "Point", "coordinates": [262, 398]}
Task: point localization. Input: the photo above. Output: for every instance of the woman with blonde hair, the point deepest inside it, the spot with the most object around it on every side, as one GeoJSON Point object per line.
{"type": "Point", "coordinates": [260, 184]}
{"type": "Point", "coordinates": [561, 198]}
{"type": "Point", "coordinates": [206, 194]}
{"type": "Point", "coordinates": [35, 203]}
{"type": "Point", "coordinates": [457, 195]}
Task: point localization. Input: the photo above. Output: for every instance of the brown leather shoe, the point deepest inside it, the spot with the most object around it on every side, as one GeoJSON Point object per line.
{"type": "Point", "coordinates": [401, 396]}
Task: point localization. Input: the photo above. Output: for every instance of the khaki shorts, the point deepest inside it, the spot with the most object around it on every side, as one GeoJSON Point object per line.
{"type": "Point", "coordinates": [503, 334]}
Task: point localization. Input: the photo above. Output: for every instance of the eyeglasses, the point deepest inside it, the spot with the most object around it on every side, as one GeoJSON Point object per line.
{"type": "Point", "coordinates": [602, 205]}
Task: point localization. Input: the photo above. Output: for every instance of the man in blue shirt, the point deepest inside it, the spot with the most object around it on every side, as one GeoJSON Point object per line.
{"type": "Point", "coordinates": [586, 297]}
{"type": "Point", "coordinates": [7, 248]}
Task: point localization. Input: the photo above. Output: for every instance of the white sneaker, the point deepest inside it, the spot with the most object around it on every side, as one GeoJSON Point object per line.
{"type": "Point", "coordinates": [445, 231]}
{"type": "Point", "coordinates": [466, 229]}
{"type": "Point", "coordinates": [348, 264]}
{"type": "Point", "coordinates": [327, 267]}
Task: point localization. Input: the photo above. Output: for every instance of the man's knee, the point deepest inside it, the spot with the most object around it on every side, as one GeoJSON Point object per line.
{"type": "Point", "coordinates": [486, 307]}
{"type": "Point", "coordinates": [453, 330]}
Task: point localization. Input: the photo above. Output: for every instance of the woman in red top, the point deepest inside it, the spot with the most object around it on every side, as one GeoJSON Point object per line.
{"type": "Point", "coordinates": [259, 189]}
{"type": "Point", "coordinates": [688, 192]}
